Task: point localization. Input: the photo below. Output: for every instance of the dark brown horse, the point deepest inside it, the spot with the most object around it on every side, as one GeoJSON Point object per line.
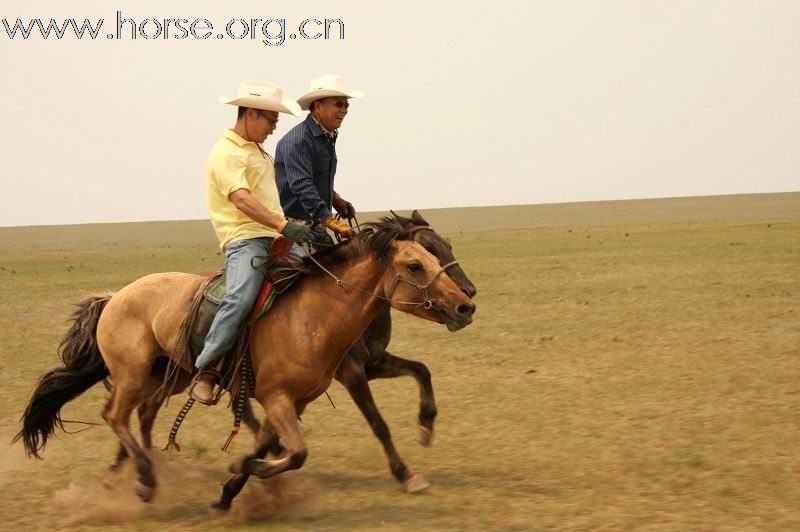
{"type": "Point", "coordinates": [369, 359]}
{"type": "Point", "coordinates": [295, 349]}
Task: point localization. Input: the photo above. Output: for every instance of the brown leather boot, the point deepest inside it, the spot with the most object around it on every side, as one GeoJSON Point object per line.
{"type": "Point", "coordinates": [203, 388]}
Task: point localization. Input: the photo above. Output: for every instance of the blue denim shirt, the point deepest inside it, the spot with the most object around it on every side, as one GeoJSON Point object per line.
{"type": "Point", "coordinates": [305, 164]}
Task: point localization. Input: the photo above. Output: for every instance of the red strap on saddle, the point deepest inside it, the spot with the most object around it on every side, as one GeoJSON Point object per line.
{"type": "Point", "coordinates": [266, 290]}
{"type": "Point", "coordinates": [280, 248]}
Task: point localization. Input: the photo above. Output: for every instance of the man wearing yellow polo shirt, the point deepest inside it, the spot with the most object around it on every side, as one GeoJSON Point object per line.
{"type": "Point", "coordinates": [245, 210]}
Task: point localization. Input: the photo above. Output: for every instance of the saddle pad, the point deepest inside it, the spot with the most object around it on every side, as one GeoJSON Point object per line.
{"type": "Point", "coordinates": [212, 296]}
{"type": "Point", "coordinates": [216, 290]}
{"type": "Point", "coordinates": [264, 301]}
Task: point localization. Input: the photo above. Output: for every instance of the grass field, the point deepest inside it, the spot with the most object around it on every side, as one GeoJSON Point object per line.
{"type": "Point", "coordinates": [633, 365]}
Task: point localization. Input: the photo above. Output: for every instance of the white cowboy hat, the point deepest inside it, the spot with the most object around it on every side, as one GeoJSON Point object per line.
{"type": "Point", "coordinates": [325, 87]}
{"type": "Point", "coordinates": [264, 96]}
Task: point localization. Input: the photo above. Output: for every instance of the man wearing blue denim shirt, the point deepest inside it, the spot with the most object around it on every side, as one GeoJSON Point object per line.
{"type": "Point", "coordinates": [245, 211]}
{"type": "Point", "coordinates": [305, 158]}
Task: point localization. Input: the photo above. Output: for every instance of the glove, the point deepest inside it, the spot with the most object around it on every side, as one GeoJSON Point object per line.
{"type": "Point", "coordinates": [296, 232]}
{"type": "Point", "coordinates": [320, 238]}
{"type": "Point", "coordinates": [338, 226]}
{"type": "Point", "coordinates": [344, 207]}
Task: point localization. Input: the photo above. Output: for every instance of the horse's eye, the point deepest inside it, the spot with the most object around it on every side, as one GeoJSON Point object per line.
{"type": "Point", "coordinates": [414, 267]}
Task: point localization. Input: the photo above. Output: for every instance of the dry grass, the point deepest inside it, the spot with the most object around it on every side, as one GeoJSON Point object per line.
{"type": "Point", "coordinates": [633, 366]}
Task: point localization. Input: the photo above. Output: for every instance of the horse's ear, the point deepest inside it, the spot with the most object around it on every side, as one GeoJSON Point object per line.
{"type": "Point", "coordinates": [403, 221]}
{"type": "Point", "coordinates": [417, 218]}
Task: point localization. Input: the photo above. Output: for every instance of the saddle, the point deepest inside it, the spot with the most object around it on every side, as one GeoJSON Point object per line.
{"type": "Point", "coordinates": [212, 296]}
{"type": "Point", "coordinates": [235, 368]}
{"type": "Point", "coordinates": [213, 292]}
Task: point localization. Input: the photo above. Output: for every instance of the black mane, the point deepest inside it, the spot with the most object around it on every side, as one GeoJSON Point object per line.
{"type": "Point", "coordinates": [373, 238]}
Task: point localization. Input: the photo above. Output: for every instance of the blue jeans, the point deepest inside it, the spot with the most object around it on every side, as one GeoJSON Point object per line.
{"type": "Point", "coordinates": [296, 252]}
{"type": "Point", "coordinates": [243, 284]}
{"type": "Point", "coordinates": [321, 240]}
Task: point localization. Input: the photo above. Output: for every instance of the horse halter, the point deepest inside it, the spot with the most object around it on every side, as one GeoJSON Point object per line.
{"type": "Point", "coordinates": [414, 229]}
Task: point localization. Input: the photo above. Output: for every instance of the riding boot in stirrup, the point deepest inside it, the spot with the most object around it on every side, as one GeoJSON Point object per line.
{"type": "Point", "coordinates": [202, 389]}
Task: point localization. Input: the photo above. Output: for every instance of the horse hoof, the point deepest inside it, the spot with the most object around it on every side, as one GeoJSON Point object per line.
{"type": "Point", "coordinates": [219, 508]}
{"type": "Point", "coordinates": [416, 484]}
{"type": "Point", "coordinates": [425, 436]}
{"type": "Point", "coordinates": [145, 493]}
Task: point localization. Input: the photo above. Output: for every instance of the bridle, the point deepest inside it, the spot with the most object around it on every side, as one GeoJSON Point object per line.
{"type": "Point", "coordinates": [426, 302]}
{"type": "Point", "coordinates": [414, 229]}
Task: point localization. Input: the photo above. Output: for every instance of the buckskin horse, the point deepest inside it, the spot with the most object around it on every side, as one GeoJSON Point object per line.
{"type": "Point", "coordinates": [295, 349]}
{"type": "Point", "coordinates": [369, 359]}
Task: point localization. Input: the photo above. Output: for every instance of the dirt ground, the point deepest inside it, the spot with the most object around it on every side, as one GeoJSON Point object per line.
{"type": "Point", "coordinates": [633, 365]}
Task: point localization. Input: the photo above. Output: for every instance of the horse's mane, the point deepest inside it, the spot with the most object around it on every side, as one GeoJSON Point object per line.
{"type": "Point", "coordinates": [374, 238]}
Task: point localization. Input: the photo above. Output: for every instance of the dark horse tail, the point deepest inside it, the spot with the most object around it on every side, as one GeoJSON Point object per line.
{"type": "Point", "coordinates": [83, 367]}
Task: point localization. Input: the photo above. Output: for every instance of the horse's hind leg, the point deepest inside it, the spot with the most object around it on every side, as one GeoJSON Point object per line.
{"type": "Point", "coordinates": [147, 416]}
{"type": "Point", "coordinates": [390, 366]}
{"type": "Point", "coordinates": [249, 418]}
{"type": "Point", "coordinates": [147, 412]}
{"type": "Point", "coordinates": [117, 413]}
{"type": "Point", "coordinates": [122, 455]}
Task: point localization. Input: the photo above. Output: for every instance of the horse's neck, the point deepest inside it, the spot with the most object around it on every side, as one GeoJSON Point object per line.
{"type": "Point", "coordinates": [341, 313]}
{"type": "Point", "coordinates": [351, 303]}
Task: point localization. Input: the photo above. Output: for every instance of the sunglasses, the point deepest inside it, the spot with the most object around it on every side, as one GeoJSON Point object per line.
{"type": "Point", "coordinates": [341, 104]}
{"type": "Point", "coordinates": [272, 121]}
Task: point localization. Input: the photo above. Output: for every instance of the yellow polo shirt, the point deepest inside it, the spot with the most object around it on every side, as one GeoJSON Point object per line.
{"type": "Point", "coordinates": [233, 164]}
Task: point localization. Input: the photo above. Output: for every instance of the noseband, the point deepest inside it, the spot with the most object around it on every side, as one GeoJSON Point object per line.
{"type": "Point", "coordinates": [426, 301]}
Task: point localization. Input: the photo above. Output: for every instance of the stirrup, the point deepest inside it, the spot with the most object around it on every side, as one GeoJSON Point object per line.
{"type": "Point", "coordinates": [215, 377]}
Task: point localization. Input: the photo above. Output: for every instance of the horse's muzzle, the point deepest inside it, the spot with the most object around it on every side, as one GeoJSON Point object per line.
{"type": "Point", "coordinates": [459, 317]}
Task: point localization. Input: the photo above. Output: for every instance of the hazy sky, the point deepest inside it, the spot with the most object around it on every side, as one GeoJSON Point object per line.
{"type": "Point", "coordinates": [468, 103]}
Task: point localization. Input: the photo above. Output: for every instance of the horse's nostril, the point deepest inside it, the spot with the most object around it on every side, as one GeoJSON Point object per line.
{"type": "Point", "coordinates": [469, 292]}
{"type": "Point", "coordinates": [466, 309]}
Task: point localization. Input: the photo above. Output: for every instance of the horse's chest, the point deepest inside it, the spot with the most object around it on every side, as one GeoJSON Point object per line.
{"type": "Point", "coordinates": [312, 386]}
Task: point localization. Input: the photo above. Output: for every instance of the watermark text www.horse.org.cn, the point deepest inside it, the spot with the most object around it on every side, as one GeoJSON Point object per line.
{"type": "Point", "coordinates": [270, 31]}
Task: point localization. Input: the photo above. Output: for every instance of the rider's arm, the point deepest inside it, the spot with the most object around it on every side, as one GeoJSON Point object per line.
{"type": "Point", "coordinates": [231, 177]}
{"type": "Point", "coordinates": [296, 156]}
{"type": "Point", "coordinates": [245, 202]}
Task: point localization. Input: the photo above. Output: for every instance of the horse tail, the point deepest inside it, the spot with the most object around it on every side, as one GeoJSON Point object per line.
{"type": "Point", "coordinates": [83, 367]}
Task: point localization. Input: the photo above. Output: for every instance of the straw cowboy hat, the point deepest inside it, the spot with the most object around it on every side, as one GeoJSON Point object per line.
{"type": "Point", "coordinates": [325, 87]}
{"type": "Point", "coordinates": [264, 96]}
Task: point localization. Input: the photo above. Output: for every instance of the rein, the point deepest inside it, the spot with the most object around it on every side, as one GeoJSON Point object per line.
{"type": "Point", "coordinates": [426, 302]}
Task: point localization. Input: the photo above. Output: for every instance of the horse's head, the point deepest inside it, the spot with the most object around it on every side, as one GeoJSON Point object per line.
{"type": "Point", "coordinates": [416, 283]}
{"type": "Point", "coordinates": [439, 247]}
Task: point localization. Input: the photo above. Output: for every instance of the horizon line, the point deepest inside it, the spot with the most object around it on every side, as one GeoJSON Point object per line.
{"type": "Point", "coordinates": [656, 198]}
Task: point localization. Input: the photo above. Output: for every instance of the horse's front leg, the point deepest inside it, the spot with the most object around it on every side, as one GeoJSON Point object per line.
{"type": "Point", "coordinates": [266, 441]}
{"type": "Point", "coordinates": [281, 424]}
{"type": "Point", "coordinates": [352, 376]}
{"type": "Point", "coordinates": [389, 366]}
